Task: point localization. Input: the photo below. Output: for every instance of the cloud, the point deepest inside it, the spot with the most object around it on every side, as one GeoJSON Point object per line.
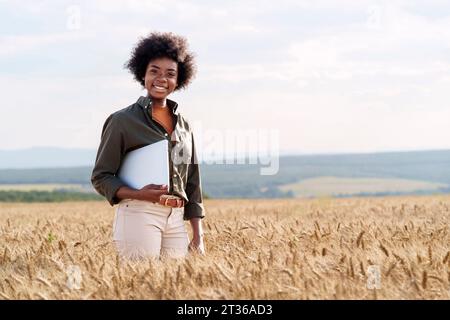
{"type": "Point", "coordinates": [11, 45]}
{"type": "Point", "coordinates": [329, 75]}
{"type": "Point", "coordinates": [61, 111]}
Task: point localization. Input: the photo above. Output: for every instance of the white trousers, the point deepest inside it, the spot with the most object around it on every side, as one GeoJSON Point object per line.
{"type": "Point", "coordinates": [144, 229]}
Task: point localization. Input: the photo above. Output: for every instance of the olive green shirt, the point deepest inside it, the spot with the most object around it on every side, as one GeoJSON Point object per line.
{"type": "Point", "coordinates": [132, 128]}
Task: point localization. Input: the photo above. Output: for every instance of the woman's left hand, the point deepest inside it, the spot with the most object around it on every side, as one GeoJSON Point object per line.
{"type": "Point", "coordinates": [197, 245]}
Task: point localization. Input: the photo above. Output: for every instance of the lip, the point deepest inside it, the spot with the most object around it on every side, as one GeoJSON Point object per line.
{"type": "Point", "coordinates": [159, 88]}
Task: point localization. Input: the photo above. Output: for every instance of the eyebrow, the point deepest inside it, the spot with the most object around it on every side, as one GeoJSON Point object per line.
{"type": "Point", "coordinates": [155, 66]}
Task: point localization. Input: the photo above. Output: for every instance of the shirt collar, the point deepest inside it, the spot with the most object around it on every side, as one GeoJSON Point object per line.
{"type": "Point", "coordinates": [146, 102]}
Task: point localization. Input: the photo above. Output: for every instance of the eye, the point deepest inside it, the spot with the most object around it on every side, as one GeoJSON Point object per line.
{"type": "Point", "coordinates": [171, 74]}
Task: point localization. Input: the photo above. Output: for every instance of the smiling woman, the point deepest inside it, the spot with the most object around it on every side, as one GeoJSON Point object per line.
{"type": "Point", "coordinates": [163, 45]}
{"type": "Point", "coordinates": [149, 221]}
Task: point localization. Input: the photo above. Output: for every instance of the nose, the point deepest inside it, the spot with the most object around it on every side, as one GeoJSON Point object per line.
{"type": "Point", "coordinates": [161, 79]}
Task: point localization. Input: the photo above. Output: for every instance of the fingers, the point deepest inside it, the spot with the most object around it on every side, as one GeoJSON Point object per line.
{"type": "Point", "coordinates": [156, 187]}
{"type": "Point", "coordinates": [150, 186]}
{"type": "Point", "coordinates": [197, 248]}
{"type": "Point", "coordinates": [153, 192]}
{"type": "Point", "coordinates": [161, 192]}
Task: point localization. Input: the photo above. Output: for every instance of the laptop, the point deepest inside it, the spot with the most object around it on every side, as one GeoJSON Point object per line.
{"type": "Point", "coordinates": [146, 165]}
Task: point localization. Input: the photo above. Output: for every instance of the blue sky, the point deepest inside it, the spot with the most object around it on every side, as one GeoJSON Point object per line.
{"type": "Point", "coordinates": [329, 76]}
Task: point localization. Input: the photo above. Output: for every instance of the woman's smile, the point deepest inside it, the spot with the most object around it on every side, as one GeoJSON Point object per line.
{"type": "Point", "coordinates": [159, 88]}
{"type": "Point", "coordinates": [161, 78]}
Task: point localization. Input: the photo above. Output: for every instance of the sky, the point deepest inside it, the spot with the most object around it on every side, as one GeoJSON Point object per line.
{"type": "Point", "coordinates": [319, 76]}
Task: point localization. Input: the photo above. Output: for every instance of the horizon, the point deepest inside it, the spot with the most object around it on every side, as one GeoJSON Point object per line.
{"type": "Point", "coordinates": [281, 153]}
{"type": "Point", "coordinates": [240, 159]}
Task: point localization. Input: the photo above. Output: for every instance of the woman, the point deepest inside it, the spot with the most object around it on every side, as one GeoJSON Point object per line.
{"type": "Point", "coordinates": [149, 222]}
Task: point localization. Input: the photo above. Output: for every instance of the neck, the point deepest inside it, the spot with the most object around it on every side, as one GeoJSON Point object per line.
{"type": "Point", "coordinates": [161, 103]}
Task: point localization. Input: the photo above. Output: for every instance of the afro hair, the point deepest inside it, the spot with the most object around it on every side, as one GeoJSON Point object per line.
{"type": "Point", "coordinates": [159, 45]}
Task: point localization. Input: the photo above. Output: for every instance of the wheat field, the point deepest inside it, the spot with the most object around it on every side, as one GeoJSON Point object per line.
{"type": "Point", "coordinates": [360, 248]}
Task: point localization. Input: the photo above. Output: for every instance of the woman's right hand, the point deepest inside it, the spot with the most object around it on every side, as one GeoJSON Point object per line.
{"type": "Point", "coordinates": [152, 192]}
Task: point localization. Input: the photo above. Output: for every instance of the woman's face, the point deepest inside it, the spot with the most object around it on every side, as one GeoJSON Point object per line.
{"type": "Point", "coordinates": [161, 77]}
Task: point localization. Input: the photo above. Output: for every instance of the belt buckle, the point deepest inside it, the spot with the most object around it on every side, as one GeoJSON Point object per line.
{"type": "Point", "coordinates": [168, 197]}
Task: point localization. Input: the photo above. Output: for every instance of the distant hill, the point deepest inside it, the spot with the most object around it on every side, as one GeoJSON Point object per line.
{"type": "Point", "coordinates": [426, 166]}
{"type": "Point", "coordinates": [46, 157]}
{"type": "Point", "coordinates": [419, 172]}
{"type": "Point", "coordinates": [244, 181]}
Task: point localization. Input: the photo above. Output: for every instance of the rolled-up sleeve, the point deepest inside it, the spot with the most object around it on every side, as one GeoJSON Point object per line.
{"type": "Point", "coordinates": [194, 208]}
{"type": "Point", "coordinates": [108, 160]}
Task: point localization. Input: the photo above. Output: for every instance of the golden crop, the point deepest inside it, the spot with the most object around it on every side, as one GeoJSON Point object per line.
{"type": "Point", "coordinates": [256, 249]}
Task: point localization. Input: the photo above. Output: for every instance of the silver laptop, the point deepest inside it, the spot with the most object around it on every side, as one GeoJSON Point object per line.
{"type": "Point", "coordinates": [146, 165]}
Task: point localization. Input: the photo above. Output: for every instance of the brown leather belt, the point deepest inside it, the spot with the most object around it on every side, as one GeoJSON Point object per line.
{"type": "Point", "coordinates": [170, 200]}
